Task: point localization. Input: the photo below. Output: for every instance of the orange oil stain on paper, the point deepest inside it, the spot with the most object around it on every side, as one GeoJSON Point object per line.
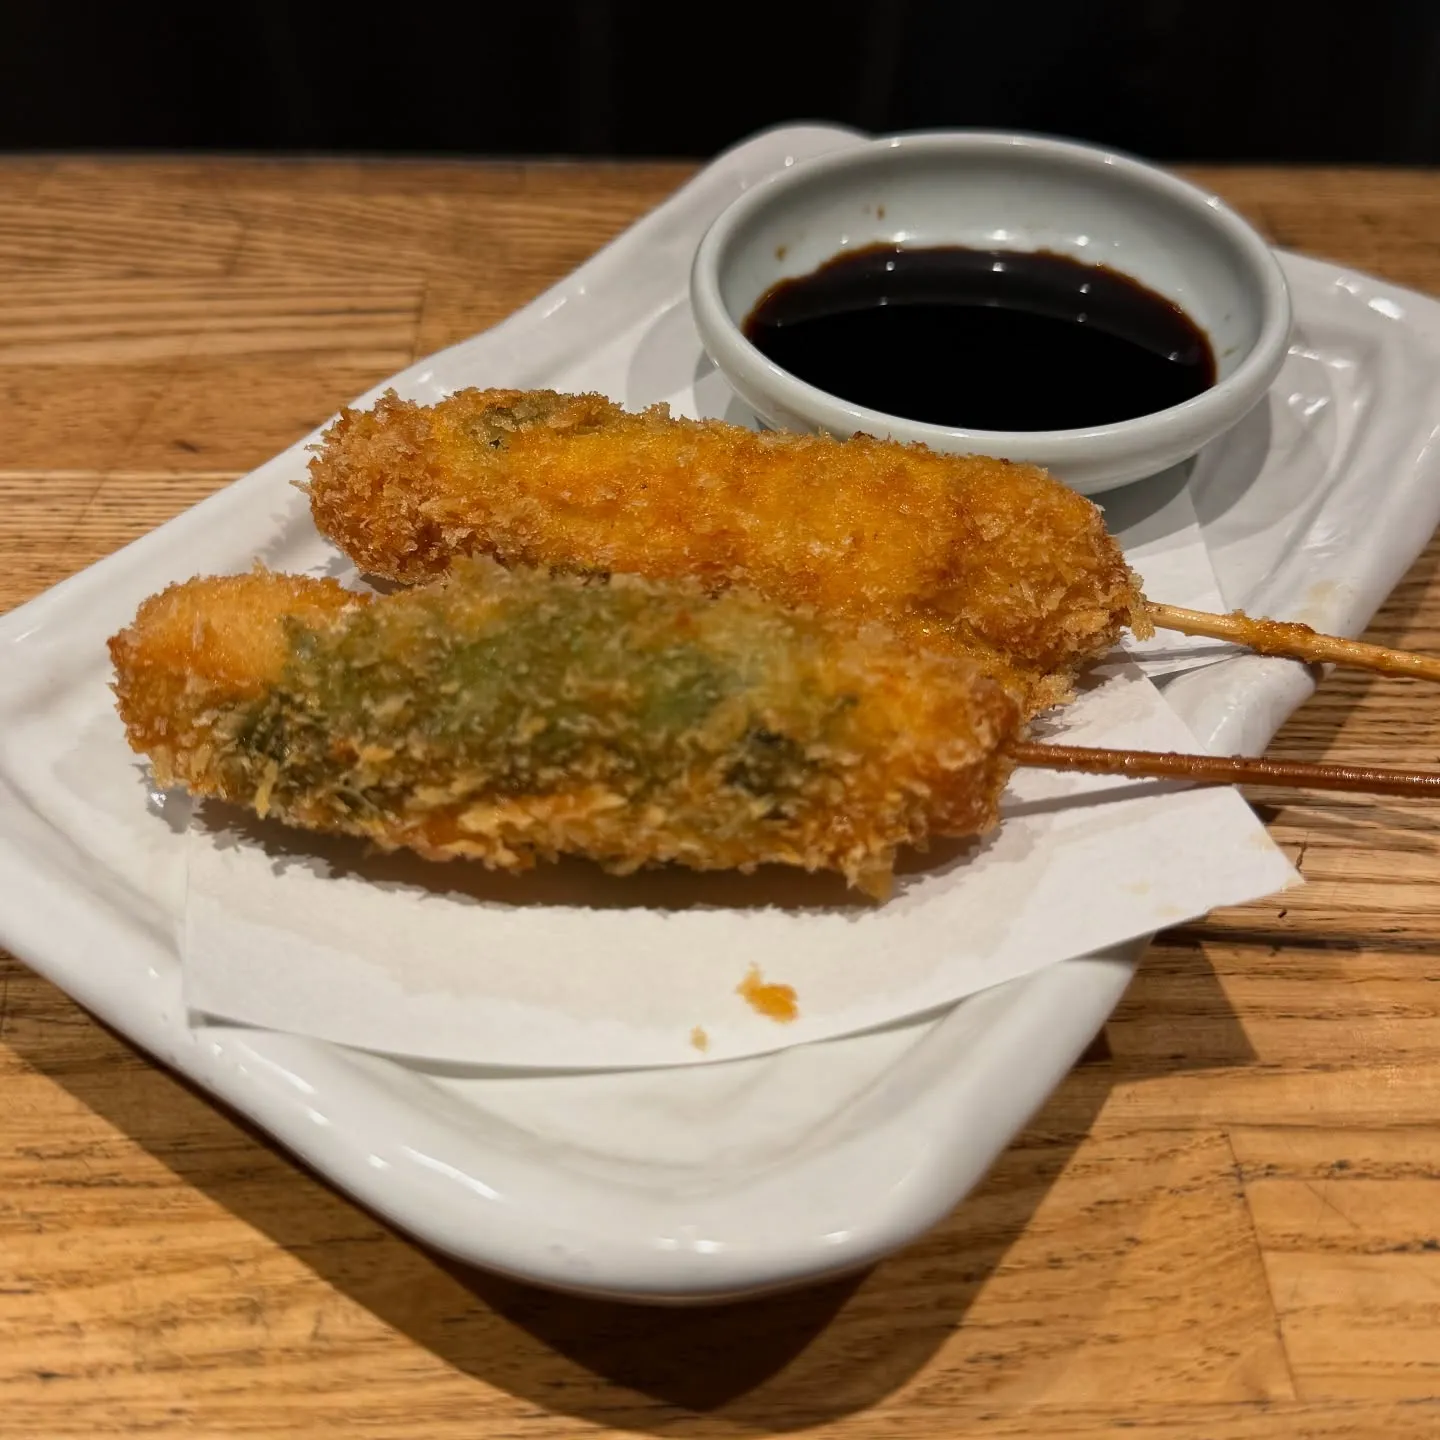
{"type": "Point", "coordinates": [775, 1002]}
{"type": "Point", "coordinates": [699, 1039]}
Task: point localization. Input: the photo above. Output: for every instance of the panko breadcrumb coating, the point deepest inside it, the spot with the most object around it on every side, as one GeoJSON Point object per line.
{"type": "Point", "coordinates": [963, 551]}
{"type": "Point", "coordinates": [510, 717]}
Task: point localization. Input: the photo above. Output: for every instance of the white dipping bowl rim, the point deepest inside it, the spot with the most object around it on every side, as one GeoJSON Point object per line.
{"type": "Point", "coordinates": [1101, 457]}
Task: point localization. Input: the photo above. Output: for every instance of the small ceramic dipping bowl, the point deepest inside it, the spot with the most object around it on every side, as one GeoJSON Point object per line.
{"type": "Point", "coordinates": [1013, 192]}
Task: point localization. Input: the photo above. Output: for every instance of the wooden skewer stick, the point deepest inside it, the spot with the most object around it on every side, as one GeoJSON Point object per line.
{"type": "Point", "coordinates": [1226, 769]}
{"type": "Point", "coordinates": [1293, 640]}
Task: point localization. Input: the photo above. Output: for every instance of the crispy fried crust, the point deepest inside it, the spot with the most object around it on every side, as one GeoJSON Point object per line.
{"type": "Point", "coordinates": [508, 717]}
{"type": "Point", "coordinates": [980, 554]}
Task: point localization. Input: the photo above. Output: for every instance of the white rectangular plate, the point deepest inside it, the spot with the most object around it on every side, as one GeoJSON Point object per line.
{"type": "Point", "coordinates": [724, 1179]}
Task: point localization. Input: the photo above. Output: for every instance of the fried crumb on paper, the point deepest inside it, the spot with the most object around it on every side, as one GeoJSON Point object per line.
{"type": "Point", "coordinates": [773, 1000]}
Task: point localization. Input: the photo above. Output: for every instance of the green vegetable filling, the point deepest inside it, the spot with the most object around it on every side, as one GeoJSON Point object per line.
{"type": "Point", "coordinates": [589, 684]}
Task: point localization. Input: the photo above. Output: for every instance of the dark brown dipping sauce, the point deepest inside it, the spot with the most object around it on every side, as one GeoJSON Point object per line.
{"type": "Point", "coordinates": [983, 339]}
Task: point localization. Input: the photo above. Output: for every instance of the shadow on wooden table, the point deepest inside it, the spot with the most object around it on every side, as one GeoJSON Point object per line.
{"type": "Point", "coordinates": [775, 1365]}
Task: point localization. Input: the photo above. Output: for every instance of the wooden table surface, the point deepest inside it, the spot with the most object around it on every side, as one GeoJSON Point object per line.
{"type": "Point", "coordinates": [1225, 1224]}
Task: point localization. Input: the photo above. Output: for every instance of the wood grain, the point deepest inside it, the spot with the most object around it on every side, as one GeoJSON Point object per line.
{"type": "Point", "coordinates": [1223, 1225]}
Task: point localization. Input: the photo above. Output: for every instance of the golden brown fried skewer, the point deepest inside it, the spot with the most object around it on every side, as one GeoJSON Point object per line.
{"type": "Point", "coordinates": [509, 717]}
{"type": "Point", "coordinates": [982, 555]}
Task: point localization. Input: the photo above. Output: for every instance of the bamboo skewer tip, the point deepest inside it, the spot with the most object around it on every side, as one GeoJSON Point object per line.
{"type": "Point", "coordinates": [1290, 639]}
{"type": "Point", "coordinates": [1227, 769]}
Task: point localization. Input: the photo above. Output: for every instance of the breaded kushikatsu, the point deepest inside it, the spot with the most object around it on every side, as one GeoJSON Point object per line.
{"type": "Point", "coordinates": [514, 716]}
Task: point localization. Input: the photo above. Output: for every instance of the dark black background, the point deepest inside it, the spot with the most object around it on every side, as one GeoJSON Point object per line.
{"type": "Point", "coordinates": [1169, 78]}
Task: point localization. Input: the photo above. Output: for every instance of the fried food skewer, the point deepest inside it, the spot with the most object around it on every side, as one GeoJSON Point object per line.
{"type": "Point", "coordinates": [509, 717]}
{"type": "Point", "coordinates": [995, 559]}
